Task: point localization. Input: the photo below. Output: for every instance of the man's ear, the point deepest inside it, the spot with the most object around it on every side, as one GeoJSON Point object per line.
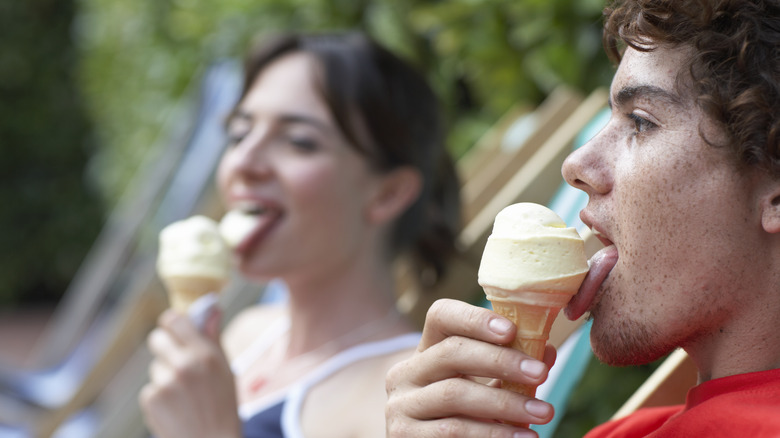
{"type": "Point", "coordinates": [398, 190]}
{"type": "Point", "coordinates": [770, 208]}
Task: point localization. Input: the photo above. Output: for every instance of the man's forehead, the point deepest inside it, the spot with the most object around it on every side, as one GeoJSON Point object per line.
{"type": "Point", "coordinates": [650, 75]}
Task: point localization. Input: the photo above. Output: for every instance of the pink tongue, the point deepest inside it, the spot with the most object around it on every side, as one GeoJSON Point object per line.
{"type": "Point", "coordinates": [600, 266]}
{"type": "Point", "coordinates": [264, 222]}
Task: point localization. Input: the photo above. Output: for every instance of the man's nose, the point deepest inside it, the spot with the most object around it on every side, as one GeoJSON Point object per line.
{"type": "Point", "coordinates": [588, 167]}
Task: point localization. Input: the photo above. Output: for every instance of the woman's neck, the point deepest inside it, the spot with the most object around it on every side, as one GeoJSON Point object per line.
{"type": "Point", "coordinates": [324, 311]}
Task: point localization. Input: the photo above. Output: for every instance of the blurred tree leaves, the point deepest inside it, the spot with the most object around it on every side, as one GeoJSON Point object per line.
{"type": "Point", "coordinates": [140, 56]}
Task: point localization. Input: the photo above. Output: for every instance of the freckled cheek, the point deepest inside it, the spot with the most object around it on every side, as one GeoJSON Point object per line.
{"type": "Point", "coordinates": [651, 232]}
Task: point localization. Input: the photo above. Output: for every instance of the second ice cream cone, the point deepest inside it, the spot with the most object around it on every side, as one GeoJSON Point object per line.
{"type": "Point", "coordinates": [183, 291]}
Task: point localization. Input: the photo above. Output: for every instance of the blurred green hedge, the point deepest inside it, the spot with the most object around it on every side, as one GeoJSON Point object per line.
{"type": "Point", "coordinates": [50, 214]}
{"type": "Point", "coordinates": [140, 56]}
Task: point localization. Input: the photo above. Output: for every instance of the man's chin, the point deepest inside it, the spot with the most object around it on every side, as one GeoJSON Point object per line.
{"type": "Point", "coordinates": [629, 344]}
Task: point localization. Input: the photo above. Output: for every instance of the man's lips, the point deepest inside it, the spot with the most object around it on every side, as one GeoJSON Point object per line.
{"type": "Point", "coordinates": [601, 265]}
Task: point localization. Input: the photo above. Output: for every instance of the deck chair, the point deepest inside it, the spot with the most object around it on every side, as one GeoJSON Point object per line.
{"type": "Point", "coordinates": [520, 140]}
{"type": "Point", "coordinates": [489, 144]}
{"type": "Point", "coordinates": [122, 293]}
{"type": "Point", "coordinates": [115, 412]}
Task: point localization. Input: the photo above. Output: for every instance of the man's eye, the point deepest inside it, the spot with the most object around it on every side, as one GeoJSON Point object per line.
{"type": "Point", "coordinates": [640, 124]}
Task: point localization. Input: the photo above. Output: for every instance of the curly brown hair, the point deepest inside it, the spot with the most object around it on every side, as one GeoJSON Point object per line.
{"type": "Point", "coordinates": [735, 67]}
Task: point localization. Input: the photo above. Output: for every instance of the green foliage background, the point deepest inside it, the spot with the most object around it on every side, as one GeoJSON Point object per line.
{"type": "Point", "coordinates": [89, 90]}
{"type": "Point", "coordinates": [140, 56]}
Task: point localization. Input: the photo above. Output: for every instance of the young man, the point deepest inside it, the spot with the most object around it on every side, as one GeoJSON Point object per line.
{"type": "Point", "coordinates": [684, 190]}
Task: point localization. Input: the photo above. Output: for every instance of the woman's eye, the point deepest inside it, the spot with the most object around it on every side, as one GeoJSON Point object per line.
{"type": "Point", "coordinates": [640, 124]}
{"type": "Point", "coordinates": [235, 138]}
{"type": "Point", "coordinates": [305, 144]}
{"type": "Point", "coordinates": [236, 133]}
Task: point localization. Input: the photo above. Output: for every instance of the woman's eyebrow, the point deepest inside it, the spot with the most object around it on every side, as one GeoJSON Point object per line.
{"type": "Point", "coordinates": [306, 120]}
{"type": "Point", "coordinates": [284, 119]}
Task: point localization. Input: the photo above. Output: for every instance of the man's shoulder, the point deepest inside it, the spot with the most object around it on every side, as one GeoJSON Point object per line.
{"type": "Point", "coordinates": [741, 405]}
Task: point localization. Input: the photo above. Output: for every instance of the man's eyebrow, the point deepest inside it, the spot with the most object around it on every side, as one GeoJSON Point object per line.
{"type": "Point", "coordinates": [627, 94]}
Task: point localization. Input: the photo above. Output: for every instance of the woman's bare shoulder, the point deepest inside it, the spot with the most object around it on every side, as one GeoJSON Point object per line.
{"type": "Point", "coordinates": [247, 325]}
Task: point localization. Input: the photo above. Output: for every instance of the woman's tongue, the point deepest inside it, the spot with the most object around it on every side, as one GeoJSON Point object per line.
{"type": "Point", "coordinates": [262, 225]}
{"type": "Point", "coordinates": [600, 266]}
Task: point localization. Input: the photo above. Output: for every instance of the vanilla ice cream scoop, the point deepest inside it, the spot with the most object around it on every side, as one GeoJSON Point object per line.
{"type": "Point", "coordinates": [193, 260]}
{"type": "Point", "coordinates": [531, 267]}
{"type": "Point", "coordinates": [531, 247]}
{"type": "Point", "coordinates": [236, 225]}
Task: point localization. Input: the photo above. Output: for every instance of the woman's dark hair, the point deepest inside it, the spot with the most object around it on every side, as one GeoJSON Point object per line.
{"type": "Point", "coordinates": [373, 93]}
{"type": "Point", "coordinates": [735, 67]}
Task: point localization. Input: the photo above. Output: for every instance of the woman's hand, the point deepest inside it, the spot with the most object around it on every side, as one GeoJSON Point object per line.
{"type": "Point", "coordinates": [191, 390]}
{"type": "Point", "coordinates": [434, 393]}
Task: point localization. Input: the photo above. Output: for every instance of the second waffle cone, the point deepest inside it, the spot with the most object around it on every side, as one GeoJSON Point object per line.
{"type": "Point", "coordinates": [183, 291]}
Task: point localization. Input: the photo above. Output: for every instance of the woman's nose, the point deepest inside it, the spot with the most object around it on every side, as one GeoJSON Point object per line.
{"type": "Point", "coordinates": [251, 155]}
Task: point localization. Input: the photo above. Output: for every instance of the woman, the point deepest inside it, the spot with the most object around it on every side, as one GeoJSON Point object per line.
{"type": "Point", "coordinates": [336, 146]}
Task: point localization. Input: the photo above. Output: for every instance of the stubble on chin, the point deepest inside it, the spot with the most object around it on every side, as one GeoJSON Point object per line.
{"type": "Point", "coordinates": [619, 338]}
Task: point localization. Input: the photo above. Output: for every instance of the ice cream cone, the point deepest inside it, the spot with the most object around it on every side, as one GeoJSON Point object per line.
{"type": "Point", "coordinates": [533, 320]}
{"type": "Point", "coordinates": [531, 267]}
{"type": "Point", "coordinates": [193, 260]}
{"type": "Point", "coordinates": [183, 291]}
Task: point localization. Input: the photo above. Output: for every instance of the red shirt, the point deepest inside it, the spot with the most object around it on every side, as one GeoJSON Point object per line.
{"type": "Point", "coordinates": [745, 405]}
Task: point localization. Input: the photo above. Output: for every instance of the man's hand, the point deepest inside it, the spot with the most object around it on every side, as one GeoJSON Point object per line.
{"type": "Point", "coordinates": [442, 390]}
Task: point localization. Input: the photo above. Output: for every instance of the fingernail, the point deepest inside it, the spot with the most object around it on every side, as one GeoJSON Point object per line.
{"type": "Point", "coordinates": [527, 434]}
{"type": "Point", "coordinates": [537, 408]}
{"type": "Point", "coordinates": [500, 326]}
{"type": "Point", "coordinates": [532, 368]}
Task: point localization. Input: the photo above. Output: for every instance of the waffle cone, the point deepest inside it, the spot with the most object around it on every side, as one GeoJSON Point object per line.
{"type": "Point", "coordinates": [534, 319]}
{"type": "Point", "coordinates": [183, 291]}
